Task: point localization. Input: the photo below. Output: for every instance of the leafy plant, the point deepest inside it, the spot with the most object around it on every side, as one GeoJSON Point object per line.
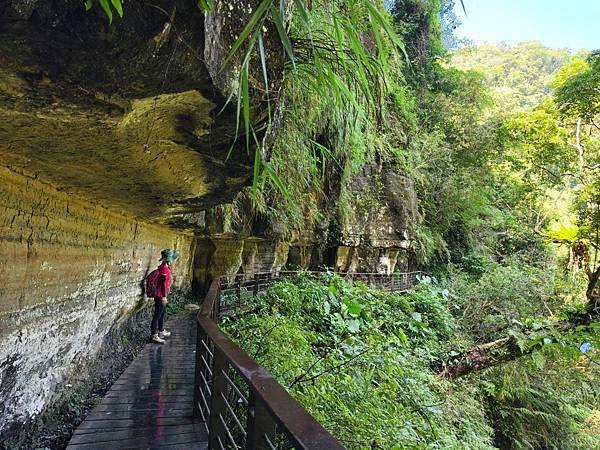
{"type": "Point", "coordinates": [361, 361]}
{"type": "Point", "coordinates": [107, 6]}
{"type": "Point", "coordinates": [326, 46]}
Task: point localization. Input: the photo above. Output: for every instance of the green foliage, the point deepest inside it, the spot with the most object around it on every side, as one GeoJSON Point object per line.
{"type": "Point", "coordinates": [502, 298]}
{"type": "Point", "coordinates": [361, 362]}
{"type": "Point", "coordinates": [107, 6]}
{"type": "Point", "coordinates": [578, 88]}
{"type": "Point", "coordinates": [178, 301]}
{"type": "Point", "coordinates": [74, 402]}
{"type": "Point", "coordinates": [206, 5]}
{"type": "Point", "coordinates": [537, 147]}
{"type": "Point", "coordinates": [327, 56]}
{"type": "Point", "coordinates": [418, 22]}
{"type": "Point", "coordinates": [544, 401]}
{"type": "Point", "coordinates": [343, 102]}
{"type": "Point", "coordinates": [519, 77]}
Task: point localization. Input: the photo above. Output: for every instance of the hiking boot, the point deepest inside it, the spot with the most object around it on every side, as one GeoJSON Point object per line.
{"type": "Point", "coordinates": [164, 334]}
{"type": "Point", "coordinates": [156, 338]}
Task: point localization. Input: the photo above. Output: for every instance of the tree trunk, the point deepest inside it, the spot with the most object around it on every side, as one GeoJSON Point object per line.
{"type": "Point", "coordinates": [506, 349]}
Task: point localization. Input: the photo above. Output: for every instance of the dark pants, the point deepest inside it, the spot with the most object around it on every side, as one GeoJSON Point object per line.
{"type": "Point", "coordinates": [158, 320]}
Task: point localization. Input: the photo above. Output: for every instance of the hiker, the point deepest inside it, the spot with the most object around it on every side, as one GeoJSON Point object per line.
{"type": "Point", "coordinates": [158, 284]}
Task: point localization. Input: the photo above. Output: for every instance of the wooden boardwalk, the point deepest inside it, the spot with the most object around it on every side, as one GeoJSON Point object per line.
{"type": "Point", "coordinates": [150, 405]}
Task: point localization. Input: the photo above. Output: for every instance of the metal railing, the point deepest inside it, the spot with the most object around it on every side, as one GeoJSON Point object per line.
{"type": "Point", "coordinates": [237, 293]}
{"type": "Point", "coordinates": [241, 404]}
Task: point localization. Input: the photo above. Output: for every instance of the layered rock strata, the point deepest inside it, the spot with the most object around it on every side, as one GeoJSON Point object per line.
{"type": "Point", "coordinates": [70, 271]}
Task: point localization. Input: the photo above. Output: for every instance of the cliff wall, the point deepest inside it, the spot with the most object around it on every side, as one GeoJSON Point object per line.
{"type": "Point", "coordinates": [71, 270]}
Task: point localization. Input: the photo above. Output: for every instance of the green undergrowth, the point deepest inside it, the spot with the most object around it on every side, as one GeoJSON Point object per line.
{"type": "Point", "coordinates": [360, 360]}
{"type": "Point", "coordinates": [364, 362]}
{"type": "Point", "coordinates": [547, 398]}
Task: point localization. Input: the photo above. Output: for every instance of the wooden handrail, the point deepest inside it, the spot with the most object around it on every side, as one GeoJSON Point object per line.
{"type": "Point", "coordinates": [302, 430]}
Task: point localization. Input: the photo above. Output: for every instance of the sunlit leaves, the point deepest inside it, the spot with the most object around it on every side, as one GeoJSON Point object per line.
{"type": "Point", "coordinates": [578, 89]}
{"type": "Point", "coordinates": [107, 6]}
{"type": "Point", "coordinates": [206, 5]}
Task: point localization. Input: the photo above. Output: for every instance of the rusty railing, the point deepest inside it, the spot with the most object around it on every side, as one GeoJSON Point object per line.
{"type": "Point", "coordinates": [241, 404]}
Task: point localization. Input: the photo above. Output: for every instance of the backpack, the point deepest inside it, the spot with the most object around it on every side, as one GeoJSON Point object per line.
{"type": "Point", "coordinates": [152, 283]}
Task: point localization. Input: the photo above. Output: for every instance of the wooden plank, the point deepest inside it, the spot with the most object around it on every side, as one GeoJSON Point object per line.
{"type": "Point", "coordinates": [146, 442]}
{"type": "Point", "coordinates": [108, 434]}
{"type": "Point", "coordinates": [196, 446]}
{"type": "Point", "coordinates": [158, 392]}
{"type": "Point", "coordinates": [146, 378]}
{"type": "Point", "coordinates": [132, 414]}
{"type": "Point", "coordinates": [133, 407]}
{"type": "Point", "coordinates": [181, 399]}
{"type": "Point", "coordinates": [147, 421]}
{"type": "Point", "coordinates": [149, 386]}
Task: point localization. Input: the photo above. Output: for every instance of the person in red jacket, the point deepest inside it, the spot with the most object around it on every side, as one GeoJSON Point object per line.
{"type": "Point", "coordinates": [163, 285]}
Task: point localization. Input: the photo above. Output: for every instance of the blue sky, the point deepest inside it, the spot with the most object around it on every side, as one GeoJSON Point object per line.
{"type": "Point", "coordinates": [557, 23]}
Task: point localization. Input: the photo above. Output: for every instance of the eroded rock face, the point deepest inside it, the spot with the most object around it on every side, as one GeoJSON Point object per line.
{"type": "Point", "coordinates": [70, 271]}
{"type": "Point", "coordinates": [378, 232]}
{"type": "Point", "coordinates": [113, 144]}
{"type": "Point", "coordinates": [130, 114]}
{"type": "Point", "coordinates": [375, 235]}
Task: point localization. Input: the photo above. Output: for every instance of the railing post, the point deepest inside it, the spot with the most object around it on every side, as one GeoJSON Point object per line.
{"type": "Point", "coordinates": [217, 404]}
{"type": "Point", "coordinates": [255, 284]}
{"type": "Point", "coordinates": [260, 425]}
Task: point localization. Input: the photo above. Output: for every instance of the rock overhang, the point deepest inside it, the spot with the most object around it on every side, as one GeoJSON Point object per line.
{"type": "Point", "coordinates": [127, 116]}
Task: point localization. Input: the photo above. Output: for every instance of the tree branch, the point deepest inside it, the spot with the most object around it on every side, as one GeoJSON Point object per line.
{"type": "Point", "coordinates": [301, 379]}
{"type": "Point", "coordinates": [506, 349]}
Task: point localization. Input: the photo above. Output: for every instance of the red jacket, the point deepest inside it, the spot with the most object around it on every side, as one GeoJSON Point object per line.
{"type": "Point", "coordinates": [164, 280]}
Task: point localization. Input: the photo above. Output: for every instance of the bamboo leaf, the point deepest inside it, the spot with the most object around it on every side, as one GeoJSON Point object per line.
{"type": "Point", "coordinates": [257, 165]}
{"type": "Point", "coordinates": [263, 61]}
{"type": "Point", "coordinates": [389, 30]}
{"type": "Point", "coordinates": [276, 180]}
{"type": "Point", "coordinates": [257, 17]}
{"type": "Point", "coordinates": [383, 50]}
{"type": "Point", "coordinates": [246, 102]}
{"type": "Point", "coordinates": [106, 8]}
{"type": "Point", "coordinates": [205, 5]}
{"type": "Point", "coordinates": [87, 4]}
{"type": "Point", "coordinates": [238, 110]}
{"type": "Point", "coordinates": [283, 36]}
{"type": "Point", "coordinates": [118, 7]}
